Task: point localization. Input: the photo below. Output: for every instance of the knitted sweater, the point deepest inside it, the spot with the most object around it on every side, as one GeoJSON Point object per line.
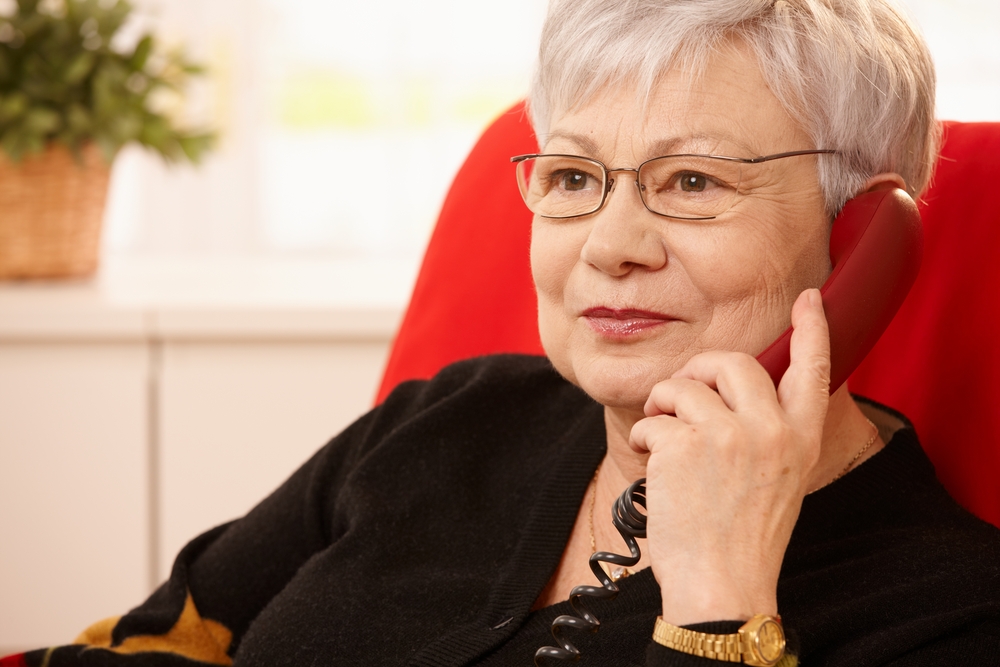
{"type": "Point", "coordinates": [423, 534]}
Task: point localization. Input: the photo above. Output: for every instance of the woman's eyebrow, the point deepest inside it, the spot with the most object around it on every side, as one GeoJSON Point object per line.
{"type": "Point", "coordinates": [585, 144]}
{"type": "Point", "coordinates": [668, 146]}
{"type": "Point", "coordinates": [701, 143]}
{"type": "Point", "coordinates": [694, 143]}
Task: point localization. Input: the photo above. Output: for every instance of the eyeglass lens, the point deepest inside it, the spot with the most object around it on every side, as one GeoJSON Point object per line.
{"type": "Point", "coordinates": [679, 186]}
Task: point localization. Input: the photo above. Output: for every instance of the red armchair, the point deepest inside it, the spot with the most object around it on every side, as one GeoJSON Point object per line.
{"type": "Point", "coordinates": [938, 363]}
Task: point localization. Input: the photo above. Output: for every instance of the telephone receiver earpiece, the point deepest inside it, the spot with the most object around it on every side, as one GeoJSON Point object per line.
{"type": "Point", "coordinates": [876, 247]}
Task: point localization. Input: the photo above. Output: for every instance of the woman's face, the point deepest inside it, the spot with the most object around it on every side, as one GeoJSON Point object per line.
{"type": "Point", "coordinates": [625, 296]}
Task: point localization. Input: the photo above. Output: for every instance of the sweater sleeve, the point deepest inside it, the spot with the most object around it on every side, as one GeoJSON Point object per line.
{"type": "Point", "coordinates": [222, 579]}
{"type": "Point", "coordinates": [975, 645]}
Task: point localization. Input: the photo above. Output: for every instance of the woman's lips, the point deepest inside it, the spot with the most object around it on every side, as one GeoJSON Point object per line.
{"type": "Point", "coordinates": [623, 323]}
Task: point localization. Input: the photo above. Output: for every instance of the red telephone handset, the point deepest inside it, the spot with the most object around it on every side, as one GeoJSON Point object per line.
{"type": "Point", "coordinates": [876, 247]}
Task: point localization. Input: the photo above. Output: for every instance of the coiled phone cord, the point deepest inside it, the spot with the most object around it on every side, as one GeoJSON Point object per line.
{"type": "Point", "coordinates": [631, 524]}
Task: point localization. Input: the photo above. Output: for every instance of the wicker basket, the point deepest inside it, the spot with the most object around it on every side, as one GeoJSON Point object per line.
{"type": "Point", "coordinates": [51, 206]}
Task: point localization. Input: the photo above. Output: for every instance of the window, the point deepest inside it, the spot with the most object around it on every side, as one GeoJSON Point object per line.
{"type": "Point", "coordinates": [343, 122]}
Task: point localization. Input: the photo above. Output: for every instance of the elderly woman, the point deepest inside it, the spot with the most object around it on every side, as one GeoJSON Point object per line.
{"type": "Point", "coordinates": [449, 525]}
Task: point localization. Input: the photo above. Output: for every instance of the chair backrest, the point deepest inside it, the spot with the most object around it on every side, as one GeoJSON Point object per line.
{"type": "Point", "coordinates": [938, 363]}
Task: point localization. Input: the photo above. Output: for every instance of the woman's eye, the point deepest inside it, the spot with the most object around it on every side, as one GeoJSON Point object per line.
{"type": "Point", "coordinates": [691, 182]}
{"type": "Point", "coordinates": [573, 180]}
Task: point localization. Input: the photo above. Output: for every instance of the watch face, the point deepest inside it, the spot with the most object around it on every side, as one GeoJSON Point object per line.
{"type": "Point", "coordinates": [770, 641]}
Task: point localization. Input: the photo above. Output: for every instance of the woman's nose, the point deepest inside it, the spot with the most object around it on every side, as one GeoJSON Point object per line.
{"type": "Point", "coordinates": [624, 235]}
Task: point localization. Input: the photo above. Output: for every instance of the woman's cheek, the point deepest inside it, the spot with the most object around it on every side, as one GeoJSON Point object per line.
{"type": "Point", "coordinates": [742, 281]}
{"type": "Point", "coordinates": [752, 275]}
{"type": "Point", "coordinates": [722, 266]}
{"type": "Point", "coordinates": [552, 262]}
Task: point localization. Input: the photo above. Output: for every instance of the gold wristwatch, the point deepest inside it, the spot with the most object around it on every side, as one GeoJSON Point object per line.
{"type": "Point", "coordinates": [760, 642]}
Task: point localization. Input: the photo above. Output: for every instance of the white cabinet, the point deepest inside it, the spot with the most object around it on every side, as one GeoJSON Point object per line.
{"type": "Point", "coordinates": [74, 512]}
{"type": "Point", "coordinates": [237, 419]}
{"type": "Point", "coordinates": [142, 408]}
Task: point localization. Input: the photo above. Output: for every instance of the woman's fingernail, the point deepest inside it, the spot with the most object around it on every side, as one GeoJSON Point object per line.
{"type": "Point", "coordinates": [815, 299]}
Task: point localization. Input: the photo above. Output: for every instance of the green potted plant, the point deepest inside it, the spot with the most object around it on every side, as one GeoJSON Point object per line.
{"type": "Point", "coordinates": [69, 100]}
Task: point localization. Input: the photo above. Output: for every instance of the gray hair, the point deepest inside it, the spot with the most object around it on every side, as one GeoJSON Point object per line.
{"type": "Point", "coordinates": [855, 74]}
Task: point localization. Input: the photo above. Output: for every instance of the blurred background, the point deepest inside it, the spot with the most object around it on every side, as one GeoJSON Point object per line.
{"type": "Point", "coordinates": [342, 123]}
{"type": "Point", "coordinates": [244, 308]}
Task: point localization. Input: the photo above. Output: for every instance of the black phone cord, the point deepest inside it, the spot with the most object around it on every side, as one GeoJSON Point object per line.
{"type": "Point", "coordinates": [631, 524]}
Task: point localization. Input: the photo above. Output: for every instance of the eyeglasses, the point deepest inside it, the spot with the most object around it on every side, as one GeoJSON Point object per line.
{"type": "Point", "coordinates": [688, 187]}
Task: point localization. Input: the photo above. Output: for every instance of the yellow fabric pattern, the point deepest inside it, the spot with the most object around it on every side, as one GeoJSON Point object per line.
{"type": "Point", "coordinates": [192, 636]}
{"type": "Point", "coordinates": [98, 634]}
{"type": "Point", "coordinates": [788, 660]}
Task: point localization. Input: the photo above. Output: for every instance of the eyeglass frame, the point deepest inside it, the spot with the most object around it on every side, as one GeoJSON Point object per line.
{"type": "Point", "coordinates": [610, 182]}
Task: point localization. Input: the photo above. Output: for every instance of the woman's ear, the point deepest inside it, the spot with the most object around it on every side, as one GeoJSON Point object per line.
{"type": "Point", "coordinates": [884, 181]}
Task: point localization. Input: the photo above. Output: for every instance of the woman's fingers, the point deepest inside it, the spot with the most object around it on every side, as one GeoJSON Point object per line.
{"type": "Point", "coordinates": [741, 381]}
{"type": "Point", "coordinates": [733, 394]}
{"type": "Point", "coordinates": [651, 433]}
{"type": "Point", "coordinates": [804, 391]}
{"type": "Point", "coordinates": [689, 399]}
{"type": "Point", "coordinates": [727, 399]}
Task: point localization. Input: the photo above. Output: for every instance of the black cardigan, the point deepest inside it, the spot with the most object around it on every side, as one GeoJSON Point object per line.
{"type": "Point", "coordinates": [424, 533]}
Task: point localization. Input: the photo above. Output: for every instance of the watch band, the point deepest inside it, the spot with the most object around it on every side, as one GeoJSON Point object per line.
{"type": "Point", "coordinates": [701, 644]}
{"type": "Point", "coordinates": [760, 642]}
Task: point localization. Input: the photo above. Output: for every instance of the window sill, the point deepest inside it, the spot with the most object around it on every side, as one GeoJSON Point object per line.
{"type": "Point", "coordinates": [211, 298]}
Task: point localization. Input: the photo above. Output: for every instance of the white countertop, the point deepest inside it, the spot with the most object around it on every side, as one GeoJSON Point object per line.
{"type": "Point", "coordinates": [209, 298]}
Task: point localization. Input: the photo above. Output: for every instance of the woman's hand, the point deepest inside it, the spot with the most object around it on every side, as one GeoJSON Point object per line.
{"type": "Point", "coordinates": [730, 461]}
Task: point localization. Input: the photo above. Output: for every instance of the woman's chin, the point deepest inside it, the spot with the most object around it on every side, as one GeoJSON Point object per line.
{"type": "Point", "coordinates": [620, 382]}
{"type": "Point", "coordinates": [614, 374]}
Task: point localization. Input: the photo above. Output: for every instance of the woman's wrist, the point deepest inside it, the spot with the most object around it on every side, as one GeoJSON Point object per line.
{"type": "Point", "coordinates": [690, 598]}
